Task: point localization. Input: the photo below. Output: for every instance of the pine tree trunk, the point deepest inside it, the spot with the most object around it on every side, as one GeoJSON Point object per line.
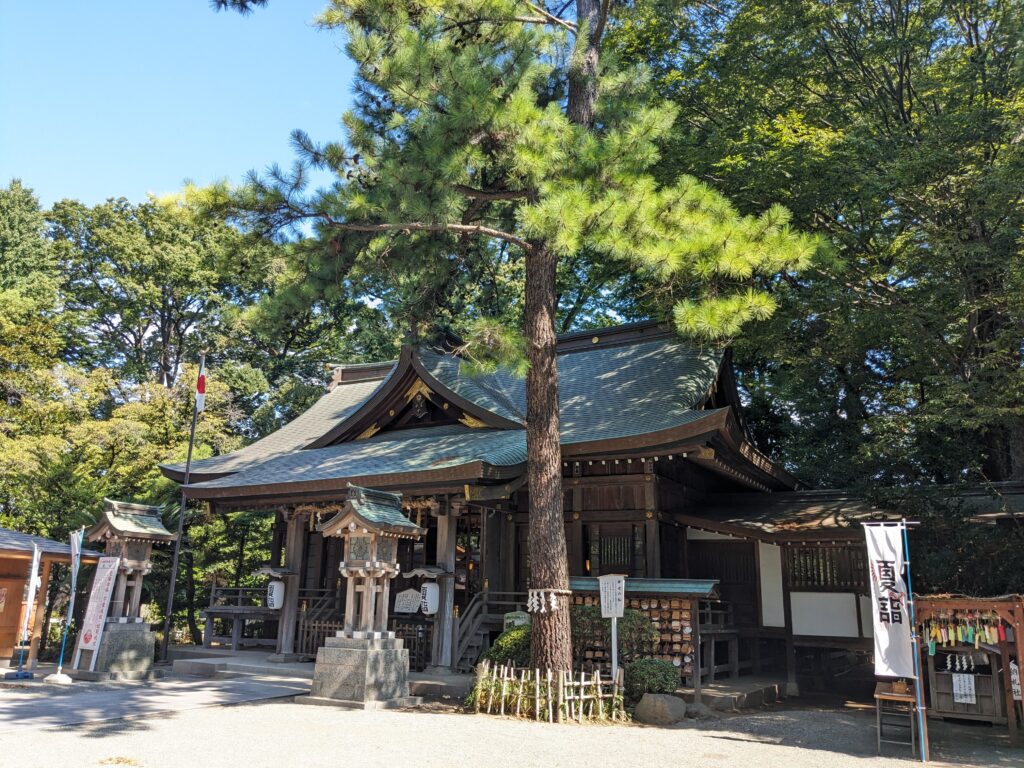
{"type": "Point", "coordinates": [190, 597]}
{"type": "Point", "coordinates": [550, 644]}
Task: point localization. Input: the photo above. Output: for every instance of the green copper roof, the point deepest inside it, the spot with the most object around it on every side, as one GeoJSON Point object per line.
{"type": "Point", "coordinates": [686, 587]}
{"type": "Point", "coordinates": [614, 389]}
{"type": "Point", "coordinates": [326, 412]}
{"type": "Point", "coordinates": [379, 507]}
{"type": "Point", "coordinates": [390, 453]}
{"type": "Point", "coordinates": [138, 521]}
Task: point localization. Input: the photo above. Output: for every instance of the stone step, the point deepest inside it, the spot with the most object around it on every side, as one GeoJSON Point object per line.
{"type": "Point", "coordinates": [214, 667]}
{"type": "Point", "coordinates": [726, 697]}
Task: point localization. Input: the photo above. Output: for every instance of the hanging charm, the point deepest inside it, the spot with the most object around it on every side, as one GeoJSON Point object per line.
{"type": "Point", "coordinates": [544, 600]}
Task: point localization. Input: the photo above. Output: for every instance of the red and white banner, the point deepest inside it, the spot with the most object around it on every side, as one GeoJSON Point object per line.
{"type": "Point", "coordinates": [894, 652]}
{"type": "Point", "coordinates": [201, 386]}
{"type": "Point", "coordinates": [99, 604]}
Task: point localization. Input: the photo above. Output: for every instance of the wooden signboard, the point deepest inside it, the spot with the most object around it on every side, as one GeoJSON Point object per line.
{"type": "Point", "coordinates": [96, 612]}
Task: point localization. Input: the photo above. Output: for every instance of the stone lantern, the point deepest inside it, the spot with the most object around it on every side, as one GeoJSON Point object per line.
{"type": "Point", "coordinates": [128, 532]}
{"type": "Point", "coordinates": [365, 666]}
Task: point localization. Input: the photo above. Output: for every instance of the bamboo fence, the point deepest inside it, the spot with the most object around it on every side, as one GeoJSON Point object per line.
{"type": "Point", "coordinates": [548, 696]}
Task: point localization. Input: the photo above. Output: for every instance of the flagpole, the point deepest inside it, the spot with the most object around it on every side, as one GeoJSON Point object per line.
{"type": "Point", "coordinates": [169, 618]}
{"type": "Point", "coordinates": [71, 600]}
{"type": "Point", "coordinates": [922, 726]}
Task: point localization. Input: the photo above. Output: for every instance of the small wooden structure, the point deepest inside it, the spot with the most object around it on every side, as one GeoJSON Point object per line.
{"type": "Point", "coordinates": [15, 562]}
{"type": "Point", "coordinates": [892, 707]}
{"type": "Point", "coordinates": [129, 531]}
{"type": "Point", "coordinates": [969, 646]}
{"type": "Point", "coordinates": [371, 523]}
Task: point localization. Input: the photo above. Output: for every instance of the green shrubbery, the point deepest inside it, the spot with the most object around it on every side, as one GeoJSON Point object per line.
{"type": "Point", "coordinates": [650, 676]}
{"type": "Point", "coordinates": [512, 645]}
{"type": "Point", "coordinates": [638, 638]}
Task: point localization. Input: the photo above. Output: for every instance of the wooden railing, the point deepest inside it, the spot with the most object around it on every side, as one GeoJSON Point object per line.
{"type": "Point", "coordinates": [482, 608]}
{"type": "Point", "coordinates": [715, 615]}
{"type": "Point", "coordinates": [238, 596]}
{"type": "Point", "coordinates": [319, 618]}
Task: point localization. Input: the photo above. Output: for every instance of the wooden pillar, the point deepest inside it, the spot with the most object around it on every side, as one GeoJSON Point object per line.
{"type": "Point", "coordinates": [491, 527]}
{"type": "Point", "coordinates": [792, 688]}
{"type": "Point", "coordinates": [1018, 638]}
{"type": "Point", "coordinates": [508, 552]}
{"type": "Point", "coordinates": [37, 617]}
{"type": "Point", "coordinates": [443, 622]}
{"type": "Point", "coordinates": [277, 540]}
{"type": "Point", "coordinates": [295, 544]}
{"type": "Point", "coordinates": [652, 538]}
{"type": "Point", "coordinates": [696, 661]}
{"type": "Point", "coordinates": [579, 557]}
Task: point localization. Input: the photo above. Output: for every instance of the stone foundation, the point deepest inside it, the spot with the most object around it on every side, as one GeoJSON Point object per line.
{"type": "Point", "coordinates": [126, 653]}
{"type": "Point", "coordinates": [361, 673]}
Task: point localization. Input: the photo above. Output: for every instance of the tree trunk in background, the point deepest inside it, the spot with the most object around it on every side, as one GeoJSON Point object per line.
{"type": "Point", "coordinates": [52, 593]}
{"type": "Point", "coordinates": [190, 596]}
{"type": "Point", "coordinates": [550, 644]}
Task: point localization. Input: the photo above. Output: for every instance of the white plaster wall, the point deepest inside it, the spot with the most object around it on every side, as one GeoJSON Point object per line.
{"type": "Point", "coordinates": [773, 613]}
{"type": "Point", "coordinates": [865, 616]}
{"type": "Point", "coordinates": [824, 614]}
{"type": "Point", "coordinates": [696, 535]}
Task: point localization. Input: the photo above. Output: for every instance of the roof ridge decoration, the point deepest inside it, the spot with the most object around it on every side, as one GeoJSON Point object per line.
{"type": "Point", "coordinates": [409, 385]}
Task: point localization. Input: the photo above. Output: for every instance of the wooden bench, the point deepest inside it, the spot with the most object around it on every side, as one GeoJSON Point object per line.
{"type": "Point", "coordinates": [239, 605]}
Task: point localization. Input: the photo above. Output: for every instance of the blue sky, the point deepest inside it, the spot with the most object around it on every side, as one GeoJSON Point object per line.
{"type": "Point", "coordinates": [119, 99]}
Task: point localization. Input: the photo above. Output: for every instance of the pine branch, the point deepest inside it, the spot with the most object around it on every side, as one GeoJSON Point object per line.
{"type": "Point", "coordinates": [491, 194]}
{"type": "Point", "coordinates": [421, 226]}
{"type": "Point", "coordinates": [550, 17]}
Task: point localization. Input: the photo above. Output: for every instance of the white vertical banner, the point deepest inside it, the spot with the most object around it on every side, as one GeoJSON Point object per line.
{"type": "Point", "coordinates": [96, 610]}
{"type": "Point", "coordinates": [76, 563]}
{"type": "Point", "coordinates": [30, 597]}
{"type": "Point", "coordinates": [894, 651]}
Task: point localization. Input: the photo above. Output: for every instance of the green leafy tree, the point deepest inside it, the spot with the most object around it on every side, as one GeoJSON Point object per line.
{"type": "Point", "coordinates": [893, 129]}
{"type": "Point", "coordinates": [492, 126]}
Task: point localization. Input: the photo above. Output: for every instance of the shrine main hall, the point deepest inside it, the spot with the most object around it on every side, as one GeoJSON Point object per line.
{"type": "Point", "coordinates": [661, 482]}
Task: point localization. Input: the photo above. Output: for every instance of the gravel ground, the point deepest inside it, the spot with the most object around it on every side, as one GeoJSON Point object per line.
{"type": "Point", "coordinates": [276, 734]}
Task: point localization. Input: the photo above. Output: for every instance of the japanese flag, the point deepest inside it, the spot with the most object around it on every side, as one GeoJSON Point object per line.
{"type": "Point", "coordinates": [201, 387]}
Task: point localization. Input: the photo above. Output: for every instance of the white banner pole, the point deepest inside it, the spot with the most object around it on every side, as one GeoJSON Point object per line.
{"type": "Point", "coordinates": [922, 728]}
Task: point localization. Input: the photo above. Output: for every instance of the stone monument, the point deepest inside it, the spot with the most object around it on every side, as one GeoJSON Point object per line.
{"type": "Point", "coordinates": [126, 646]}
{"type": "Point", "coordinates": [365, 666]}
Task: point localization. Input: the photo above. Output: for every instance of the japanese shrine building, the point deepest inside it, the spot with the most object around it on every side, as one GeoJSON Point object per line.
{"type": "Point", "coordinates": [661, 482]}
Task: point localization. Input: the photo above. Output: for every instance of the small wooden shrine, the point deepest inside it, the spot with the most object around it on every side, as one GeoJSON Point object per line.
{"type": "Point", "coordinates": [125, 648]}
{"type": "Point", "coordinates": [129, 531]}
{"type": "Point", "coordinates": [972, 650]}
{"type": "Point", "coordinates": [371, 523]}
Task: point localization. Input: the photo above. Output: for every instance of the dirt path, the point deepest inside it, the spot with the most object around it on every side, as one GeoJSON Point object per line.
{"type": "Point", "coordinates": [276, 734]}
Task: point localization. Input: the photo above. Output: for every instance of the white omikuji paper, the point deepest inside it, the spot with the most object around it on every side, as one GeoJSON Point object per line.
{"type": "Point", "coordinates": [894, 655]}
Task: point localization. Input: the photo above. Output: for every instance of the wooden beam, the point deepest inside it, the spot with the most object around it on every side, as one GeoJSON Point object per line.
{"type": "Point", "coordinates": [792, 687]}
{"type": "Point", "coordinates": [294, 555]}
{"type": "Point", "coordinates": [46, 565]}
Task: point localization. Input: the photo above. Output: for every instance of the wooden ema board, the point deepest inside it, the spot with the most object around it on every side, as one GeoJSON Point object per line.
{"type": "Point", "coordinates": [1010, 611]}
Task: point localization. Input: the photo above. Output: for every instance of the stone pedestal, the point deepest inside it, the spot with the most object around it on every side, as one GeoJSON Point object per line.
{"type": "Point", "coordinates": [361, 673]}
{"type": "Point", "coordinates": [126, 652]}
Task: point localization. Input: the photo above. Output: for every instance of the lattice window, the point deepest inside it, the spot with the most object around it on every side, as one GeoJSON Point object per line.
{"type": "Point", "coordinates": [840, 568]}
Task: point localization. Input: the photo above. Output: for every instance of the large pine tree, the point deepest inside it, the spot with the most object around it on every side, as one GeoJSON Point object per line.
{"type": "Point", "coordinates": [493, 125]}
